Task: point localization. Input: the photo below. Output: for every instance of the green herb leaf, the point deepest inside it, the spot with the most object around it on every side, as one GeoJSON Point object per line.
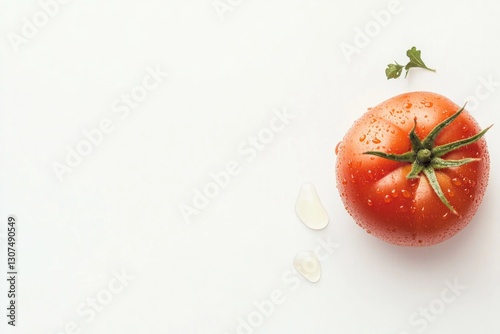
{"type": "Point", "coordinates": [415, 60]}
{"type": "Point", "coordinates": [393, 71]}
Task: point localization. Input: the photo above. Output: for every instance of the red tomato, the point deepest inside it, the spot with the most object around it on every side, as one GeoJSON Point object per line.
{"type": "Point", "coordinates": [377, 192]}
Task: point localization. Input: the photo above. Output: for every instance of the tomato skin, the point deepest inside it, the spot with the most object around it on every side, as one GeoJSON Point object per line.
{"type": "Point", "coordinates": [376, 192]}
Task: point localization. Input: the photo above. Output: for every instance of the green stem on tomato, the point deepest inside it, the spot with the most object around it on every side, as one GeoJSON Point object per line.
{"type": "Point", "coordinates": [426, 158]}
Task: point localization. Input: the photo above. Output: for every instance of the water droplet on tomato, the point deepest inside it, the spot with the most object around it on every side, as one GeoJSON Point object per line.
{"type": "Point", "coordinates": [353, 178]}
{"type": "Point", "coordinates": [450, 192]}
{"type": "Point", "coordinates": [465, 128]}
{"type": "Point", "coordinates": [373, 120]}
{"type": "Point", "coordinates": [394, 193]}
{"type": "Point", "coordinates": [428, 104]}
{"type": "Point", "coordinates": [307, 264]}
{"type": "Point", "coordinates": [362, 137]}
{"type": "Point", "coordinates": [309, 208]}
{"type": "Point", "coordinates": [378, 191]}
{"type": "Point", "coordinates": [405, 193]}
{"type": "Point", "coordinates": [403, 208]}
{"type": "Point", "coordinates": [456, 182]}
{"type": "Point", "coordinates": [369, 232]}
{"type": "Point", "coordinates": [369, 202]}
{"type": "Point", "coordinates": [445, 216]}
{"type": "Point", "coordinates": [344, 181]}
{"type": "Point", "coordinates": [376, 140]}
{"type": "Point", "coordinates": [408, 105]}
{"type": "Point", "coordinates": [413, 209]}
{"type": "Point", "coordinates": [337, 148]}
{"type": "Point", "coordinates": [420, 241]}
{"type": "Point", "coordinates": [466, 190]}
{"type": "Point", "coordinates": [387, 199]}
{"type": "Point", "coordinates": [403, 121]}
{"type": "Point", "coordinates": [472, 183]}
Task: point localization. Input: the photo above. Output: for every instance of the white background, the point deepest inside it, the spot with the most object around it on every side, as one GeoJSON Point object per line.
{"type": "Point", "coordinates": [118, 211]}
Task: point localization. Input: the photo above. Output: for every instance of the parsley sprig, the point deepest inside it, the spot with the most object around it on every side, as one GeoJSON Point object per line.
{"type": "Point", "coordinates": [393, 71]}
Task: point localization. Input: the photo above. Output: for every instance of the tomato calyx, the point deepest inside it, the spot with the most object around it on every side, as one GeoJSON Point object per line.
{"type": "Point", "coordinates": [425, 157]}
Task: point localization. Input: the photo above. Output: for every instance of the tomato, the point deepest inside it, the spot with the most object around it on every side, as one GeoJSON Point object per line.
{"type": "Point", "coordinates": [399, 178]}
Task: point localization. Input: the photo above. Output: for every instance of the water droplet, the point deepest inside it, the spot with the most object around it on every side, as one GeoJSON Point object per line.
{"type": "Point", "coordinates": [465, 128]}
{"type": "Point", "coordinates": [369, 232]}
{"type": "Point", "coordinates": [456, 182]}
{"type": "Point", "coordinates": [413, 209]}
{"type": "Point", "coordinates": [378, 191]}
{"type": "Point", "coordinates": [408, 105]}
{"type": "Point", "coordinates": [387, 199]}
{"type": "Point", "coordinates": [362, 137]}
{"type": "Point", "coordinates": [420, 241]}
{"type": "Point", "coordinates": [450, 193]}
{"type": "Point", "coordinates": [353, 178]}
{"type": "Point", "coordinates": [403, 121]}
{"type": "Point", "coordinates": [309, 208]}
{"type": "Point", "coordinates": [427, 104]}
{"type": "Point", "coordinates": [445, 216]}
{"type": "Point", "coordinates": [403, 208]}
{"type": "Point", "coordinates": [466, 190]}
{"type": "Point", "coordinates": [373, 120]}
{"type": "Point", "coordinates": [405, 193]}
{"type": "Point", "coordinates": [472, 183]}
{"type": "Point", "coordinates": [307, 264]}
{"type": "Point", "coordinates": [369, 202]}
{"type": "Point", "coordinates": [337, 148]}
{"type": "Point", "coordinates": [376, 140]}
{"type": "Point", "coordinates": [344, 181]}
{"type": "Point", "coordinates": [349, 163]}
